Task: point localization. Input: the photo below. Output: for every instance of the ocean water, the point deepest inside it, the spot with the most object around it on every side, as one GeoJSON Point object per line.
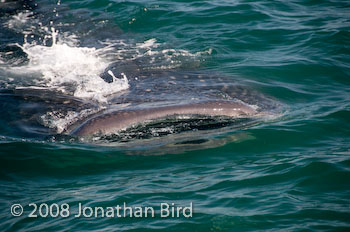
{"type": "Point", "coordinates": [64, 61]}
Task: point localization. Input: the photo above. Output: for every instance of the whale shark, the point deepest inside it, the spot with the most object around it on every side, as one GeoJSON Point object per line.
{"type": "Point", "coordinates": [185, 105]}
{"type": "Point", "coordinates": [156, 94]}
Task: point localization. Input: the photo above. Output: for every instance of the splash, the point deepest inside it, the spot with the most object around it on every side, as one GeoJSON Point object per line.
{"type": "Point", "coordinates": [71, 69]}
{"type": "Point", "coordinates": [20, 21]}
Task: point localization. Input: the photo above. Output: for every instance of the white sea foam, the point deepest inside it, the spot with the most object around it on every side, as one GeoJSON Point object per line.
{"type": "Point", "coordinates": [64, 67]}
{"type": "Point", "coordinates": [20, 21]}
{"type": "Point", "coordinates": [60, 121]}
{"type": "Point", "coordinates": [151, 43]}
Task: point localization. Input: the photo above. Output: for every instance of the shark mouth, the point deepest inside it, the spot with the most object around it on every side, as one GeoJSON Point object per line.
{"type": "Point", "coordinates": [114, 122]}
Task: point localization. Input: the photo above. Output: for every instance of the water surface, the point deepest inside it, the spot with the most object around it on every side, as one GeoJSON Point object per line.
{"type": "Point", "coordinates": [287, 173]}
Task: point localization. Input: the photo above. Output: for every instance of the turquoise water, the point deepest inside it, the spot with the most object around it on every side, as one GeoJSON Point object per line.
{"type": "Point", "coordinates": [289, 173]}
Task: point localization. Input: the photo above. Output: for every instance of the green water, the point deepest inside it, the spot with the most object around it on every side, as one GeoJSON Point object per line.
{"type": "Point", "coordinates": [288, 174]}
